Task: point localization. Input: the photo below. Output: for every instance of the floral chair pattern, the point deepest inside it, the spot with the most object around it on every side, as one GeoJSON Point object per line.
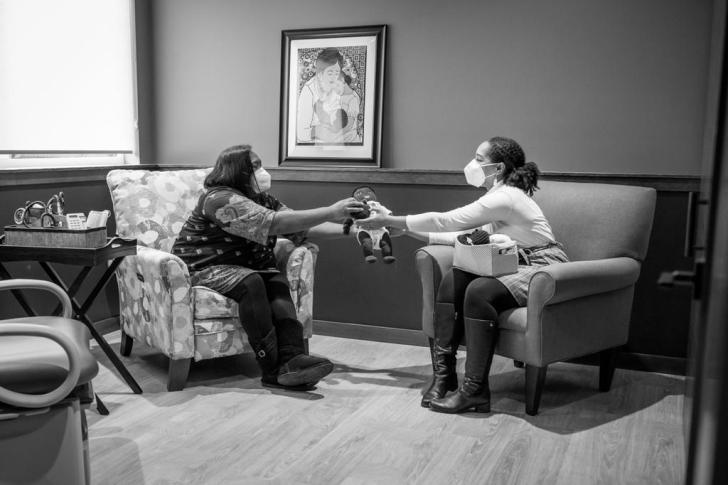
{"type": "Point", "coordinates": [158, 305]}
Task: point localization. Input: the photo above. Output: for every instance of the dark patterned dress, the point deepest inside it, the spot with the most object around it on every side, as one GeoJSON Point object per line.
{"type": "Point", "coordinates": [226, 238]}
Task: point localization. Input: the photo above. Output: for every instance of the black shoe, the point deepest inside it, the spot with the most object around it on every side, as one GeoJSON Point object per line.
{"type": "Point", "coordinates": [474, 395]}
{"type": "Point", "coordinates": [443, 349]}
{"type": "Point", "coordinates": [296, 367]}
{"type": "Point", "coordinates": [272, 382]}
{"type": "Point", "coordinates": [304, 370]}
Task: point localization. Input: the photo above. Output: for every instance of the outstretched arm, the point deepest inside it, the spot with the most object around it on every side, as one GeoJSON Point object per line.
{"type": "Point", "coordinates": [328, 230]}
{"type": "Point", "coordinates": [288, 221]}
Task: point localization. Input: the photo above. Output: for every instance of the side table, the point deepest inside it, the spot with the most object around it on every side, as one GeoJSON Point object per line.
{"type": "Point", "coordinates": [114, 250]}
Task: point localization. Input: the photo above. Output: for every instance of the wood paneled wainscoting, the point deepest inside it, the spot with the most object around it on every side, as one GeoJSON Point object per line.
{"type": "Point", "coordinates": [382, 302]}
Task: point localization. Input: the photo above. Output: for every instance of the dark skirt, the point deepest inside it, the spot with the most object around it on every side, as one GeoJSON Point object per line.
{"type": "Point", "coordinates": [223, 277]}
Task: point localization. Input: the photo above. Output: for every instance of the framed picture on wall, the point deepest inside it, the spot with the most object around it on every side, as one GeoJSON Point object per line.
{"type": "Point", "coordinates": [331, 96]}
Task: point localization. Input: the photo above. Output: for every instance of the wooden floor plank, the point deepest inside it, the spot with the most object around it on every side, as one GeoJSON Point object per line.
{"type": "Point", "coordinates": [364, 424]}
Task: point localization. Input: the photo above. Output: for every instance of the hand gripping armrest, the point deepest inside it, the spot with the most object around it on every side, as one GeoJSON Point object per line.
{"type": "Point", "coordinates": [566, 281]}
{"type": "Point", "coordinates": [158, 300]}
{"type": "Point", "coordinates": [432, 262]}
{"type": "Point", "coordinates": [20, 284]}
{"type": "Point", "coordinates": [22, 400]}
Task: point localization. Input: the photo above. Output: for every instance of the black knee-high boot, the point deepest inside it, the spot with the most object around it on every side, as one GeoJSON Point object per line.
{"type": "Point", "coordinates": [474, 394]}
{"type": "Point", "coordinates": [266, 353]}
{"type": "Point", "coordinates": [443, 350]}
{"type": "Point", "coordinates": [296, 368]}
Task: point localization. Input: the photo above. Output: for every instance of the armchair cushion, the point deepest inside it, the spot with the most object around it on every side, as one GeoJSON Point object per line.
{"type": "Point", "coordinates": [611, 220]}
{"type": "Point", "coordinates": [152, 206]}
{"type": "Point", "coordinates": [210, 304]}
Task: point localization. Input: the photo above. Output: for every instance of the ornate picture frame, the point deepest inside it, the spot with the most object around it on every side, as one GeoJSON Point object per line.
{"type": "Point", "coordinates": [332, 83]}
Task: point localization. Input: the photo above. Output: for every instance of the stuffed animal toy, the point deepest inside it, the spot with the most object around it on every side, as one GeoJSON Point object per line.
{"type": "Point", "coordinates": [371, 239]}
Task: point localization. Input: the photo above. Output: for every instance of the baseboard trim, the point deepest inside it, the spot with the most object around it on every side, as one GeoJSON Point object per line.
{"type": "Point", "coordinates": [625, 360]}
{"type": "Point", "coordinates": [653, 363]}
{"type": "Point", "coordinates": [404, 336]}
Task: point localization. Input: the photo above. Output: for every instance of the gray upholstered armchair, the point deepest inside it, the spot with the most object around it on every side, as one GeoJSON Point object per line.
{"type": "Point", "coordinates": [576, 308]}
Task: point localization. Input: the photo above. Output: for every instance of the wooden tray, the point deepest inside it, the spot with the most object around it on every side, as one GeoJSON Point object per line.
{"type": "Point", "coordinates": [55, 237]}
{"type": "Point", "coordinates": [114, 248]}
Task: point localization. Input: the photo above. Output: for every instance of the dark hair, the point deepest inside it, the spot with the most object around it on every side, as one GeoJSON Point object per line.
{"type": "Point", "coordinates": [328, 57]}
{"type": "Point", "coordinates": [343, 118]}
{"type": "Point", "coordinates": [517, 172]}
{"type": "Point", "coordinates": [233, 168]}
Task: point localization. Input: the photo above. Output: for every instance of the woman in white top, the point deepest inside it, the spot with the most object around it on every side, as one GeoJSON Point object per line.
{"type": "Point", "coordinates": [470, 303]}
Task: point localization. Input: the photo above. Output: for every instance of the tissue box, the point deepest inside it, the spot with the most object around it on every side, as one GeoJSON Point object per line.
{"type": "Point", "coordinates": [55, 237]}
{"type": "Point", "coordinates": [486, 259]}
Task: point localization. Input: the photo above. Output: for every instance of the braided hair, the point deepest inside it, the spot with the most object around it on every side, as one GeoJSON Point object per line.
{"type": "Point", "coordinates": [517, 172]}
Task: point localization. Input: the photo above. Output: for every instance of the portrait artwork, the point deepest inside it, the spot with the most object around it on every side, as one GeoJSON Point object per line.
{"type": "Point", "coordinates": [331, 96]}
{"type": "Point", "coordinates": [330, 107]}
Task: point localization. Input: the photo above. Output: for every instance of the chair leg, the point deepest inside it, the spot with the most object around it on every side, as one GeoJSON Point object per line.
{"type": "Point", "coordinates": [126, 344]}
{"type": "Point", "coordinates": [535, 377]}
{"type": "Point", "coordinates": [100, 406]}
{"type": "Point", "coordinates": [178, 371]}
{"type": "Point", "coordinates": [607, 364]}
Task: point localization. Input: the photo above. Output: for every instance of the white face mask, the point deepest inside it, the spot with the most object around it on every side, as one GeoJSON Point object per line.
{"type": "Point", "coordinates": [262, 178]}
{"type": "Point", "coordinates": [475, 173]}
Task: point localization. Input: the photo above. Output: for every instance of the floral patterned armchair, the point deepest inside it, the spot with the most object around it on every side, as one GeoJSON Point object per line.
{"type": "Point", "coordinates": [158, 305]}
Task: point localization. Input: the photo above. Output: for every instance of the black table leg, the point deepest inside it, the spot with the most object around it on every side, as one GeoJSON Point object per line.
{"type": "Point", "coordinates": [100, 285]}
{"type": "Point", "coordinates": [17, 293]}
{"type": "Point", "coordinates": [71, 290]}
{"type": "Point", "coordinates": [81, 315]}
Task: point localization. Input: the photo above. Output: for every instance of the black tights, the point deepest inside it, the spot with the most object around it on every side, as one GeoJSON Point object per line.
{"type": "Point", "coordinates": [264, 302]}
{"type": "Point", "coordinates": [473, 296]}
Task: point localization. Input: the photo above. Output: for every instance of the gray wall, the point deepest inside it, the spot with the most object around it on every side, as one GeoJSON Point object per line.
{"type": "Point", "coordinates": [586, 85]}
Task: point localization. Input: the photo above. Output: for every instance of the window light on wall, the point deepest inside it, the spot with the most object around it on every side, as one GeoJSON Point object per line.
{"type": "Point", "coordinates": [67, 90]}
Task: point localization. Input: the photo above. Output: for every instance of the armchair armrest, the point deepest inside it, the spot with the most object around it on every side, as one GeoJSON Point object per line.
{"type": "Point", "coordinates": [155, 301]}
{"type": "Point", "coordinates": [20, 284]}
{"type": "Point", "coordinates": [566, 281]}
{"type": "Point", "coordinates": [298, 263]}
{"type": "Point", "coordinates": [432, 262]}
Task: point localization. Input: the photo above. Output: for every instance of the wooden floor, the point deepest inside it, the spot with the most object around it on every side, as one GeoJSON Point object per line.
{"type": "Point", "coordinates": [363, 425]}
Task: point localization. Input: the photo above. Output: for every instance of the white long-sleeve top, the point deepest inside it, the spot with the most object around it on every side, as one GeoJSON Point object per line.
{"type": "Point", "coordinates": [502, 210]}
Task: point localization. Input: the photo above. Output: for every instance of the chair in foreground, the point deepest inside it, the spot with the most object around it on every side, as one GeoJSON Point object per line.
{"type": "Point", "coordinates": [577, 308]}
{"type": "Point", "coordinates": [158, 305]}
{"type": "Point", "coordinates": [46, 369]}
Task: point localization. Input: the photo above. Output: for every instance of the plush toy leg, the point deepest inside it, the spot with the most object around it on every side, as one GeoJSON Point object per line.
{"type": "Point", "coordinates": [386, 246]}
{"type": "Point", "coordinates": [366, 245]}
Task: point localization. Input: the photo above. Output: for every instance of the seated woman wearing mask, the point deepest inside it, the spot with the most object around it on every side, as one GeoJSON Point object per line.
{"type": "Point", "coordinates": [227, 244]}
{"type": "Point", "coordinates": [470, 303]}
